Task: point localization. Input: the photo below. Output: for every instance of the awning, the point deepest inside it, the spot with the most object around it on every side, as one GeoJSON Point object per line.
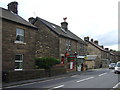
{"type": "Point", "coordinates": [80, 56]}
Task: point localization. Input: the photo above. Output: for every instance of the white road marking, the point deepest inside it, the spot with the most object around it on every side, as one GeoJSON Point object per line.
{"type": "Point", "coordinates": [20, 85]}
{"type": "Point", "coordinates": [32, 83]}
{"type": "Point", "coordinates": [85, 79]}
{"type": "Point", "coordinates": [102, 74]}
{"type": "Point", "coordinates": [74, 76]}
{"type": "Point", "coordinates": [116, 86]}
{"type": "Point", "coordinates": [58, 86]}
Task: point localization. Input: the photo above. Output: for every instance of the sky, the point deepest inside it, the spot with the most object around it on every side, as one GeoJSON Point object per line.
{"type": "Point", "coordinates": [97, 19]}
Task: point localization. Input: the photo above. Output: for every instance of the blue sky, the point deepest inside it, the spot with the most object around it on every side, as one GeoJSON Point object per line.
{"type": "Point", "coordinates": [97, 19]}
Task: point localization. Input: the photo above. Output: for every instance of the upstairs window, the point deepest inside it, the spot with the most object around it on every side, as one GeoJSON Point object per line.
{"type": "Point", "coordinates": [18, 62]}
{"type": "Point", "coordinates": [68, 45]}
{"type": "Point", "coordinates": [19, 35]}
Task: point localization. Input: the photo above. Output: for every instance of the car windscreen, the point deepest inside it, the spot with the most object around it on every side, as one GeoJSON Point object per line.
{"type": "Point", "coordinates": [118, 65]}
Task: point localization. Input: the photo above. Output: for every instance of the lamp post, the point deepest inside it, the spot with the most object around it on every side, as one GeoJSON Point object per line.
{"type": "Point", "coordinates": [76, 60]}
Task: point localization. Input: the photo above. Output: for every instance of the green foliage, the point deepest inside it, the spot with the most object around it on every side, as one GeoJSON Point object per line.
{"type": "Point", "coordinates": [46, 62]}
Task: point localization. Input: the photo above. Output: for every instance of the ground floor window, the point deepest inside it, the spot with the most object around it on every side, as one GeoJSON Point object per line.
{"type": "Point", "coordinates": [18, 62]}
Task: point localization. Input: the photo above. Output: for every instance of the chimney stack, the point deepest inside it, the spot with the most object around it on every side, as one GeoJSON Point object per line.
{"type": "Point", "coordinates": [107, 49]}
{"type": "Point", "coordinates": [96, 42]}
{"type": "Point", "coordinates": [86, 38]}
{"type": "Point", "coordinates": [13, 6]}
{"type": "Point", "coordinates": [102, 46]}
{"type": "Point", "coordinates": [91, 40]}
{"type": "Point", "coordinates": [31, 20]}
{"type": "Point", "coordinates": [64, 25]}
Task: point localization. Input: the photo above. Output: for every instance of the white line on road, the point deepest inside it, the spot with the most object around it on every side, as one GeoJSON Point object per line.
{"type": "Point", "coordinates": [85, 79]}
{"type": "Point", "coordinates": [116, 85]}
{"type": "Point", "coordinates": [19, 85]}
{"type": "Point", "coordinates": [58, 86]}
{"type": "Point", "coordinates": [102, 74]}
{"type": "Point", "coordinates": [74, 76]}
{"type": "Point", "coordinates": [32, 83]}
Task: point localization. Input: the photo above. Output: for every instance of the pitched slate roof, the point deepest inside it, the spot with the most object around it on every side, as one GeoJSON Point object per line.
{"type": "Point", "coordinates": [61, 32]}
{"type": "Point", "coordinates": [6, 14]}
{"type": "Point", "coordinates": [97, 46]}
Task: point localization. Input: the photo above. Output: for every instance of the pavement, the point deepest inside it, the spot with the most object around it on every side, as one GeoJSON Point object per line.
{"type": "Point", "coordinates": [42, 79]}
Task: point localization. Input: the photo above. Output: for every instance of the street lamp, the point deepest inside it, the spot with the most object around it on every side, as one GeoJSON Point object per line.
{"type": "Point", "coordinates": [76, 60]}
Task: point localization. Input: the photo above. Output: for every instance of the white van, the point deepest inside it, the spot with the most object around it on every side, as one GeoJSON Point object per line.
{"type": "Point", "coordinates": [117, 68]}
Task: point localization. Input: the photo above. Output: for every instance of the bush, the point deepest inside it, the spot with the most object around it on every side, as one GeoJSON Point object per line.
{"type": "Point", "coordinates": [46, 62]}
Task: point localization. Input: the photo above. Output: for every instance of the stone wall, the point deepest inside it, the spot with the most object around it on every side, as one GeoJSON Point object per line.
{"type": "Point", "coordinates": [13, 76]}
{"type": "Point", "coordinates": [47, 44]}
{"type": "Point", "coordinates": [81, 49]}
{"type": "Point", "coordinates": [10, 48]}
{"type": "Point", "coordinates": [92, 50]}
{"type": "Point", "coordinates": [64, 47]}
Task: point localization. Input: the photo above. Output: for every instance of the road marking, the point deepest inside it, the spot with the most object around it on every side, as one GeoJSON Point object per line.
{"type": "Point", "coordinates": [85, 79]}
{"type": "Point", "coordinates": [116, 85]}
{"type": "Point", "coordinates": [74, 76]}
{"type": "Point", "coordinates": [58, 86]}
{"type": "Point", "coordinates": [32, 83]}
{"type": "Point", "coordinates": [102, 74]}
{"type": "Point", "coordinates": [19, 85]}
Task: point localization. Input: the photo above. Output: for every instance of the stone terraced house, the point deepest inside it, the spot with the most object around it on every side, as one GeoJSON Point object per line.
{"type": "Point", "coordinates": [103, 54]}
{"type": "Point", "coordinates": [58, 41]}
{"type": "Point", "coordinates": [18, 40]}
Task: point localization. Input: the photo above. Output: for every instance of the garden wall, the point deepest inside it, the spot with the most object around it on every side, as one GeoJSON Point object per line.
{"type": "Point", "coordinates": [13, 76]}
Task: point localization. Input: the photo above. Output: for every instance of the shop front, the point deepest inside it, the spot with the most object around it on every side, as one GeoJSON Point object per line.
{"type": "Point", "coordinates": [69, 60]}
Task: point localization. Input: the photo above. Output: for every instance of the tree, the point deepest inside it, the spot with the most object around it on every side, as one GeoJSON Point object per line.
{"type": "Point", "coordinates": [47, 63]}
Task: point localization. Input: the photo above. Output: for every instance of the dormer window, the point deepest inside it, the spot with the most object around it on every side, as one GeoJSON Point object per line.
{"type": "Point", "coordinates": [19, 35]}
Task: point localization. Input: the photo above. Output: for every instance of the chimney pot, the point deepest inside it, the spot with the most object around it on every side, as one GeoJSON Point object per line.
{"type": "Point", "coordinates": [107, 49]}
{"type": "Point", "coordinates": [86, 38]}
{"type": "Point", "coordinates": [64, 25]}
{"type": "Point", "coordinates": [91, 40]}
{"type": "Point", "coordinates": [102, 46]}
{"type": "Point", "coordinates": [31, 20]}
{"type": "Point", "coordinates": [96, 42]}
{"type": "Point", "coordinates": [13, 6]}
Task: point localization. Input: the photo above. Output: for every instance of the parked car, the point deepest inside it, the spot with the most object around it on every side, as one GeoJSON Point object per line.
{"type": "Point", "coordinates": [117, 68]}
{"type": "Point", "coordinates": [112, 65]}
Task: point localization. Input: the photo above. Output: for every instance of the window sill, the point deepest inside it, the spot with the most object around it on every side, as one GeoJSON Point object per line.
{"type": "Point", "coordinates": [19, 42]}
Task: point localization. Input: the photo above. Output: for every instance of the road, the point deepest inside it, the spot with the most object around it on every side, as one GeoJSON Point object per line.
{"type": "Point", "coordinates": [98, 78]}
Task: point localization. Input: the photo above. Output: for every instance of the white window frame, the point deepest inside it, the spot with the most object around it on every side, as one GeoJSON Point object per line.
{"type": "Point", "coordinates": [19, 61]}
{"type": "Point", "coordinates": [23, 35]}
